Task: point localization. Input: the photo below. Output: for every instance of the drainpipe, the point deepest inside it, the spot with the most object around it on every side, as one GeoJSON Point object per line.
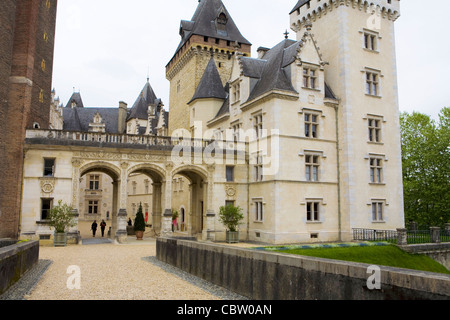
{"type": "Point", "coordinates": [338, 173]}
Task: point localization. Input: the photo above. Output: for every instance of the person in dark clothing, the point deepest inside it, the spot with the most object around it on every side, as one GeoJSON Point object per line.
{"type": "Point", "coordinates": [130, 223]}
{"type": "Point", "coordinates": [94, 227]}
{"type": "Point", "coordinates": [102, 227]}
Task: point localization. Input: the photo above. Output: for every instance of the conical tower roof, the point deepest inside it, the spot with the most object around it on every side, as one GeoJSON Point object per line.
{"type": "Point", "coordinates": [145, 98]}
{"type": "Point", "coordinates": [210, 85]}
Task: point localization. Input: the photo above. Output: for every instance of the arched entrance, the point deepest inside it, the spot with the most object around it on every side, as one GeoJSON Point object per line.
{"type": "Point", "coordinates": [195, 210]}
{"type": "Point", "coordinates": [96, 197]}
{"type": "Point", "coordinates": [145, 187]}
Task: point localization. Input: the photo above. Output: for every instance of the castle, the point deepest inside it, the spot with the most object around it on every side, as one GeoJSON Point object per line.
{"type": "Point", "coordinates": [305, 137]}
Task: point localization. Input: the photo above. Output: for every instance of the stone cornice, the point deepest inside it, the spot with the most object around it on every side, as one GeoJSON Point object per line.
{"type": "Point", "coordinates": [370, 7]}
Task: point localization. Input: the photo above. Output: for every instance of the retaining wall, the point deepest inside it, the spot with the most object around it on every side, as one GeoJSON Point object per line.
{"type": "Point", "coordinates": [15, 260]}
{"type": "Point", "coordinates": [437, 251]}
{"type": "Point", "coordinates": [262, 275]}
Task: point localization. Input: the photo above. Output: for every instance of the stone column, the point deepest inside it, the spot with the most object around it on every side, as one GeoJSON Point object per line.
{"type": "Point", "coordinates": [156, 207]}
{"type": "Point", "coordinates": [435, 233]}
{"type": "Point", "coordinates": [121, 229]}
{"type": "Point", "coordinates": [402, 239]}
{"type": "Point", "coordinates": [166, 224]}
{"type": "Point", "coordinates": [121, 234]}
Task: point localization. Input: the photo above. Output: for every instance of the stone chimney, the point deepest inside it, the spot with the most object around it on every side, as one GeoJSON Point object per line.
{"type": "Point", "coordinates": [123, 110]}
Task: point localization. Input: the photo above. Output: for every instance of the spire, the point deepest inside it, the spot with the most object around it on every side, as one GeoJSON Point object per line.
{"type": "Point", "coordinates": [210, 85]}
{"type": "Point", "coordinates": [211, 19]}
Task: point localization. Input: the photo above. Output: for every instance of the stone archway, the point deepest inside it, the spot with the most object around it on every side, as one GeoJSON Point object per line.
{"type": "Point", "coordinates": [158, 177]}
{"type": "Point", "coordinates": [89, 170]}
{"type": "Point", "coordinates": [196, 208]}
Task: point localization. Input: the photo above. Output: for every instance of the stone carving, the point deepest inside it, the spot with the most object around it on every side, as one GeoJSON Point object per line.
{"type": "Point", "coordinates": [230, 191]}
{"type": "Point", "coordinates": [47, 185]}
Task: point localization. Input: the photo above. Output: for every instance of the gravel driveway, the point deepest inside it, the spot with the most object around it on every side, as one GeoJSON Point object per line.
{"type": "Point", "coordinates": [115, 272]}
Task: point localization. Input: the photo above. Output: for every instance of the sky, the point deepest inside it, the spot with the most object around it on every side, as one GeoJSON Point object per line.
{"type": "Point", "coordinates": [106, 49]}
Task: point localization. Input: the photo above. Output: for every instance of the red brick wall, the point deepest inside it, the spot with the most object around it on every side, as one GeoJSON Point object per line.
{"type": "Point", "coordinates": [28, 97]}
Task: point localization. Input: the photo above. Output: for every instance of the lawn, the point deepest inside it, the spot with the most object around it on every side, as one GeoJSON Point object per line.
{"type": "Point", "coordinates": [386, 255]}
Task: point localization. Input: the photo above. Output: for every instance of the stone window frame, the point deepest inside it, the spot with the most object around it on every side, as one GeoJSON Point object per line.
{"type": "Point", "coordinates": [375, 40]}
{"type": "Point", "coordinates": [372, 85]}
{"type": "Point", "coordinates": [377, 203]}
{"type": "Point", "coordinates": [258, 210]}
{"type": "Point", "coordinates": [48, 169]}
{"type": "Point", "coordinates": [375, 117]}
{"type": "Point", "coordinates": [51, 201]}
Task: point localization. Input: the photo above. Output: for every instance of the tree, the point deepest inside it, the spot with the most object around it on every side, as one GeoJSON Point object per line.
{"type": "Point", "coordinates": [61, 217]}
{"type": "Point", "coordinates": [139, 222]}
{"type": "Point", "coordinates": [426, 167]}
{"type": "Point", "coordinates": [231, 216]}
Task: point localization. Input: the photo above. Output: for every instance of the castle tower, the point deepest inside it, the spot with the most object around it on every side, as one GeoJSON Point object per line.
{"type": "Point", "coordinates": [357, 39]}
{"type": "Point", "coordinates": [210, 32]}
{"type": "Point", "coordinates": [27, 30]}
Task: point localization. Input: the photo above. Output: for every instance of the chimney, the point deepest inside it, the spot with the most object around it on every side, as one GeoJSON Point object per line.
{"type": "Point", "coordinates": [262, 52]}
{"type": "Point", "coordinates": [123, 110]}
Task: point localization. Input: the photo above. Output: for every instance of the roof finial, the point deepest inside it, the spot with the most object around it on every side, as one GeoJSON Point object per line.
{"type": "Point", "coordinates": [148, 73]}
{"type": "Point", "coordinates": [286, 34]}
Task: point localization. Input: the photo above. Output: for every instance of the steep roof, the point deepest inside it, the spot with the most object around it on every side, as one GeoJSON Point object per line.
{"type": "Point", "coordinates": [145, 98]}
{"type": "Point", "coordinates": [271, 69]}
{"type": "Point", "coordinates": [205, 22]}
{"type": "Point", "coordinates": [210, 85]}
{"type": "Point", "coordinates": [299, 4]}
{"type": "Point", "coordinates": [75, 99]}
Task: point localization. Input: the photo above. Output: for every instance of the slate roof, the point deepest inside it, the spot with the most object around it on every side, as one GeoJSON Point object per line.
{"type": "Point", "coordinates": [272, 75]}
{"type": "Point", "coordinates": [210, 85]}
{"type": "Point", "coordinates": [78, 119]}
{"type": "Point", "coordinates": [145, 98]}
{"type": "Point", "coordinates": [75, 98]}
{"type": "Point", "coordinates": [299, 4]}
{"type": "Point", "coordinates": [203, 23]}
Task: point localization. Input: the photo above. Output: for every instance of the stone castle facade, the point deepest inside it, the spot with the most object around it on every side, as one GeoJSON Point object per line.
{"type": "Point", "coordinates": [305, 137]}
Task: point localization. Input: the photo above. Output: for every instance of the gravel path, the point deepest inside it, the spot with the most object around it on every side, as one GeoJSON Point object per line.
{"type": "Point", "coordinates": [111, 272]}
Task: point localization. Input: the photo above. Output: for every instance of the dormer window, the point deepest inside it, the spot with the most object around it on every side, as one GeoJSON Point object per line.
{"type": "Point", "coordinates": [221, 22]}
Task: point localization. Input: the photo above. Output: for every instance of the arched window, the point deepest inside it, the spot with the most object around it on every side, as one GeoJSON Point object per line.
{"type": "Point", "coordinates": [221, 22]}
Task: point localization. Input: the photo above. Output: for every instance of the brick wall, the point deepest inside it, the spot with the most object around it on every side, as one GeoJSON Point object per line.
{"type": "Point", "coordinates": [27, 34]}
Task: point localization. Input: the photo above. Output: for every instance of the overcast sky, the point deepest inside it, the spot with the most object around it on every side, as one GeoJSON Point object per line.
{"type": "Point", "coordinates": [106, 48]}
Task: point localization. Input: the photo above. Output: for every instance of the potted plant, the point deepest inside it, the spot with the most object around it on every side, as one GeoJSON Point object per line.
{"type": "Point", "coordinates": [139, 224]}
{"type": "Point", "coordinates": [61, 218]}
{"type": "Point", "coordinates": [231, 216]}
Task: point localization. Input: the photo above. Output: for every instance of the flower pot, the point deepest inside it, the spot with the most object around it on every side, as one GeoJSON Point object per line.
{"type": "Point", "coordinates": [232, 236]}
{"type": "Point", "coordinates": [139, 235]}
{"type": "Point", "coordinates": [60, 239]}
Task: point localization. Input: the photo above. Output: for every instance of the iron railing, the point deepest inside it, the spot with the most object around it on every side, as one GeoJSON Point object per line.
{"type": "Point", "coordinates": [413, 236]}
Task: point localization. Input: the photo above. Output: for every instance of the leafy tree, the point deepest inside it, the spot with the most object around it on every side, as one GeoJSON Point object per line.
{"type": "Point", "coordinates": [61, 217]}
{"type": "Point", "coordinates": [231, 216]}
{"type": "Point", "coordinates": [139, 222]}
{"type": "Point", "coordinates": [426, 167]}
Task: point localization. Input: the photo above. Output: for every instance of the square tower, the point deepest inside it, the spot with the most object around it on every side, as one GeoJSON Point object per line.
{"type": "Point", "coordinates": [210, 33]}
{"type": "Point", "coordinates": [357, 40]}
{"type": "Point", "coordinates": [27, 30]}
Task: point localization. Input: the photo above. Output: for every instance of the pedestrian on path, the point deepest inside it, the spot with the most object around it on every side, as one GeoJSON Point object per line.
{"type": "Point", "coordinates": [94, 227]}
{"type": "Point", "coordinates": [102, 227]}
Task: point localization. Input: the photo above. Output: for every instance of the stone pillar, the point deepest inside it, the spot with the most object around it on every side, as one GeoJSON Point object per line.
{"type": "Point", "coordinates": [402, 239]}
{"type": "Point", "coordinates": [73, 232]}
{"type": "Point", "coordinates": [166, 223]}
{"type": "Point", "coordinates": [121, 234]}
{"type": "Point", "coordinates": [435, 233]}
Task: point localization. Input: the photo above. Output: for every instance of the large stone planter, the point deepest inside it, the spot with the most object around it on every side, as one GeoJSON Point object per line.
{"type": "Point", "coordinates": [60, 239]}
{"type": "Point", "coordinates": [232, 236]}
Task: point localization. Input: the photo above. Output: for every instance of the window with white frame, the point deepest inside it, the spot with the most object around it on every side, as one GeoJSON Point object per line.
{"type": "Point", "coordinates": [376, 170]}
{"type": "Point", "coordinates": [258, 125]}
{"type": "Point", "coordinates": [372, 83]}
{"type": "Point", "coordinates": [312, 211]}
{"type": "Point", "coordinates": [236, 92]}
{"type": "Point", "coordinates": [370, 40]}
{"type": "Point", "coordinates": [259, 167]}
{"type": "Point", "coordinates": [311, 125]}
{"type": "Point", "coordinates": [309, 78]}
{"type": "Point", "coordinates": [374, 125]}
{"type": "Point", "coordinates": [312, 167]}
{"type": "Point", "coordinates": [378, 211]}
{"type": "Point", "coordinates": [236, 131]}
{"type": "Point", "coordinates": [259, 210]}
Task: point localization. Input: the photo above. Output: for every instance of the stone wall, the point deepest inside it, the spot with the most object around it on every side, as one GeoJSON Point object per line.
{"type": "Point", "coordinates": [264, 275]}
{"type": "Point", "coordinates": [15, 261]}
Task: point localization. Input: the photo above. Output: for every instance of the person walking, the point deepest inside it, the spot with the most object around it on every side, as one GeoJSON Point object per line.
{"type": "Point", "coordinates": [94, 227]}
{"type": "Point", "coordinates": [102, 227]}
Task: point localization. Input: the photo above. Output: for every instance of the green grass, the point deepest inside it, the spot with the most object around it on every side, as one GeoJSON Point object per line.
{"type": "Point", "coordinates": [377, 255]}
